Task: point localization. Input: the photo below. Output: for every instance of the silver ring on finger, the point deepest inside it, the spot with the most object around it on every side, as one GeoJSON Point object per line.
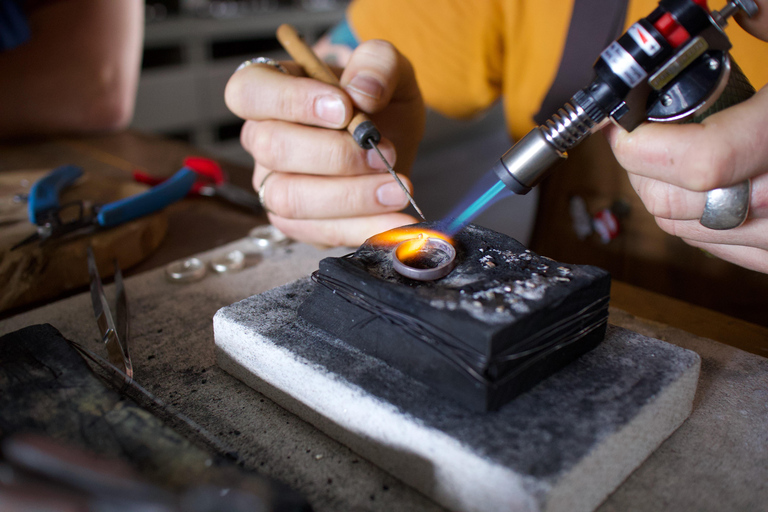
{"type": "Point", "coordinates": [262, 60]}
{"type": "Point", "coordinates": [727, 207]}
{"type": "Point", "coordinates": [263, 192]}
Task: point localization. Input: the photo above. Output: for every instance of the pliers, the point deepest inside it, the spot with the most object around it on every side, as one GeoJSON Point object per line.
{"type": "Point", "coordinates": [44, 209]}
{"type": "Point", "coordinates": [211, 182]}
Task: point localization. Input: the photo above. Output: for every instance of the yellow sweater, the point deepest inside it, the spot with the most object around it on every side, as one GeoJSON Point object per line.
{"type": "Point", "coordinates": [469, 53]}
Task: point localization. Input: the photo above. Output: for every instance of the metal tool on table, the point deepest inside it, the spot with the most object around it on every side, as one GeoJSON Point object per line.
{"type": "Point", "coordinates": [43, 473]}
{"type": "Point", "coordinates": [45, 210]}
{"type": "Point", "coordinates": [360, 127]}
{"type": "Point", "coordinates": [666, 67]}
{"type": "Point", "coordinates": [211, 182]}
{"type": "Point", "coordinates": [114, 330]}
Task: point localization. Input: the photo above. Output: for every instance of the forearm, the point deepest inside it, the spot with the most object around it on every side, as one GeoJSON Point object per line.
{"type": "Point", "coordinates": [79, 71]}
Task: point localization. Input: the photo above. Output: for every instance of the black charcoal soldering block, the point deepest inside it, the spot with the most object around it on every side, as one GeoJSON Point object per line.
{"type": "Point", "coordinates": [502, 321]}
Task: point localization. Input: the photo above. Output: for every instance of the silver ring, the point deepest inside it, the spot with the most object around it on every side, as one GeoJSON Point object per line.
{"type": "Point", "coordinates": [267, 237]}
{"type": "Point", "coordinates": [424, 260]}
{"type": "Point", "coordinates": [262, 60]}
{"type": "Point", "coordinates": [262, 193]}
{"type": "Point", "coordinates": [186, 271]}
{"type": "Point", "coordinates": [727, 207]}
{"type": "Point", "coordinates": [229, 262]}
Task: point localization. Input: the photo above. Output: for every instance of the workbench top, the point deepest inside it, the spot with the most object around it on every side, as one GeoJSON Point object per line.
{"type": "Point", "coordinates": [718, 459]}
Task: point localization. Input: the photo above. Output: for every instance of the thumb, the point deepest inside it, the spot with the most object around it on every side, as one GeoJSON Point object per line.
{"type": "Point", "coordinates": [377, 74]}
{"type": "Point", "coordinates": [724, 149]}
{"type": "Point", "coordinates": [757, 25]}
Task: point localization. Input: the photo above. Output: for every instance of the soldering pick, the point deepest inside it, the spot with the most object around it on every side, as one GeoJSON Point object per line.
{"type": "Point", "coordinates": [360, 127]}
{"type": "Point", "coordinates": [397, 179]}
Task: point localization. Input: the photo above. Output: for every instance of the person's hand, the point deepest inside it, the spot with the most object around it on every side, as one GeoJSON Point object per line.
{"type": "Point", "coordinates": [757, 25]}
{"type": "Point", "coordinates": [320, 187]}
{"type": "Point", "coordinates": [672, 166]}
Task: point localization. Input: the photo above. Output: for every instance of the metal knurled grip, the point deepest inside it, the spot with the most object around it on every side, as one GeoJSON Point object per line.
{"type": "Point", "coordinates": [728, 207]}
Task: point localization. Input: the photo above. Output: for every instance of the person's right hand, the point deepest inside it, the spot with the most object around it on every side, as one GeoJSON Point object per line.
{"type": "Point", "coordinates": [673, 166]}
{"type": "Point", "coordinates": [322, 188]}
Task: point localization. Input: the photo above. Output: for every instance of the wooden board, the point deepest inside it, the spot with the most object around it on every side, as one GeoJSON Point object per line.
{"type": "Point", "coordinates": [36, 272]}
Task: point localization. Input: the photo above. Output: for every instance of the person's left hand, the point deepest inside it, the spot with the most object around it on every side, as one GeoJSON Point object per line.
{"type": "Point", "coordinates": [672, 166]}
{"type": "Point", "coordinates": [325, 189]}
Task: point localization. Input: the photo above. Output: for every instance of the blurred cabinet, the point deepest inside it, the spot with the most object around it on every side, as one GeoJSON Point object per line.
{"type": "Point", "coordinates": [188, 60]}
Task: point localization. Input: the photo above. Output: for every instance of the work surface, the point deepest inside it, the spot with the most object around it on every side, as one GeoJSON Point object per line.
{"type": "Point", "coordinates": [717, 460]}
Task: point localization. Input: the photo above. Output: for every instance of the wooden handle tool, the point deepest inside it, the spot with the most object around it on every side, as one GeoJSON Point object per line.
{"type": "Point", "coordinates": [362, 129]}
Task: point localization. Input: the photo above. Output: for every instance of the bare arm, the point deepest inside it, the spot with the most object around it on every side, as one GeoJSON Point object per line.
{"type": "Point", "coordinates": [78, 72]}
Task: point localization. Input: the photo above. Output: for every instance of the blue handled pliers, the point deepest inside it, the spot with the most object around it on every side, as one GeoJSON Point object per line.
{"type": "Point", "coordinates": [44, 208]}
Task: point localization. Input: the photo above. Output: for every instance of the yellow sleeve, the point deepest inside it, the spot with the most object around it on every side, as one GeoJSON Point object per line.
{"type": "Point", "coordinates": [469, 53]}
{"type": "Point", "coordinates": [749, 52]}
{"type": "Point", "coordinates": [455, 47]}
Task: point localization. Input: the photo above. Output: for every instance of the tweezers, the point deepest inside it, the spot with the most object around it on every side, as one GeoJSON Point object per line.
{"type": "Point", "coordinates": [114, 334]}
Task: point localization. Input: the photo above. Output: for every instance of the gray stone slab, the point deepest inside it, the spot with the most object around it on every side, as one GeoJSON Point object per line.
{"type": "Point", "coordinates": [564, 445]}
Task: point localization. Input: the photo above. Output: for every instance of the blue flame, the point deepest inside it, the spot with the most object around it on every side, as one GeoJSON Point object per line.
{"type": "Point", "coordinates": [486, 192]}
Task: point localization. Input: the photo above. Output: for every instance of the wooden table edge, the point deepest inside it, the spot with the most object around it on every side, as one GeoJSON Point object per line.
{"type": "Point", "coordinates": [696, 320]}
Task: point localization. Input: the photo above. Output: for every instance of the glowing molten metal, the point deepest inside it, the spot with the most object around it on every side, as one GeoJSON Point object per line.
{"type": "Point", "coordinates": [416, 236]}
{"type": "Point", "coordinates": [417, 253]}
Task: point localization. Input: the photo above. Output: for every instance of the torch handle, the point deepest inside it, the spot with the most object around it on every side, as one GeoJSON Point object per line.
{"type": "Point", "coordinates": [737, 90]}
{"type": "Point", "coordinates": [728, 207]}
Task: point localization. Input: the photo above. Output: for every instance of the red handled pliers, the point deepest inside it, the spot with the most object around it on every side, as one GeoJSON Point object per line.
{"type": "Point", "coordinates": [211, 182]}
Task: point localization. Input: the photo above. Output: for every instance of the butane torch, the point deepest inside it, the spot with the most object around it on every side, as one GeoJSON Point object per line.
{"type": "Point", "coordinates": [665, 67]}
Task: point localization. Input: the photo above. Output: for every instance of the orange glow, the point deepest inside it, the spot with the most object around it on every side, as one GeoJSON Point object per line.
{"type": "Point", "coordinates": [418, 235]}
{"type": "Point", "coordinates": [410, 248]}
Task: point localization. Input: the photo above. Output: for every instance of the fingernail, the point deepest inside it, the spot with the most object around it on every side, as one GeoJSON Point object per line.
{"type": "Point", "coordinates": [330, 108]}
{"type": "Point", "coordinates": [367, 85]}
{"type": "Point", "coordinates": [390, 194]}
